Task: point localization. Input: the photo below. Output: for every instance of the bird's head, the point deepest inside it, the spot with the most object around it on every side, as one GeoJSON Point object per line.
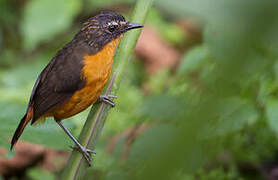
{"type": "Point", "coordinates": [105, 27]}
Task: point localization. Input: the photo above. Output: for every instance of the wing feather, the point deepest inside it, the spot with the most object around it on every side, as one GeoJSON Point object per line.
{"type": "Point", "coordinates": [61, 78]}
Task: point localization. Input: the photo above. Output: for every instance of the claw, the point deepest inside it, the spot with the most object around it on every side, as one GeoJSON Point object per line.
{"type": "Point", "coordinates": [85, 152]}
{"type": "Point", "coordinates": [107, 99]}
{"type": "Point", "coordinates": [111, 96]}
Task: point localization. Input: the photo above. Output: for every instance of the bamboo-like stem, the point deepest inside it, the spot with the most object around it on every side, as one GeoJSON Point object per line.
{"type": "Point", "coordinates": [92, 128]}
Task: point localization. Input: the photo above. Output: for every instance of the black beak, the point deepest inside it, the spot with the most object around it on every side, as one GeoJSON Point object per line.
{"type": "Point", "coordinates": [130, 26]}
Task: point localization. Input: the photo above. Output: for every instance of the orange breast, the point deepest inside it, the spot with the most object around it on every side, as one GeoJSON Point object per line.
{"type": "Point", "coordinates": [96, 71]}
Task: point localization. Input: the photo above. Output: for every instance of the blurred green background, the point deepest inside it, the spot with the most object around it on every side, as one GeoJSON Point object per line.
{"type": "Point", "coordinates": [209, 112]}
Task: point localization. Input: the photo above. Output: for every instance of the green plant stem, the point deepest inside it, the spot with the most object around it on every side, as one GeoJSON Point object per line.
{"type": "Point", "coordinates": [92, 128]}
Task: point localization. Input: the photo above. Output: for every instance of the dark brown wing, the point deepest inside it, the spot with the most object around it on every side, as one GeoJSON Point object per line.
{"type": "Point", "coordinates": [58, 81]}
{"type": "Point", "coordinates": [55, 85]}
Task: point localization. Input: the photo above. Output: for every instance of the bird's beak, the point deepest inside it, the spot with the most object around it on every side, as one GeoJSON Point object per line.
{"type": "Point", "coordinates": [133, 26]}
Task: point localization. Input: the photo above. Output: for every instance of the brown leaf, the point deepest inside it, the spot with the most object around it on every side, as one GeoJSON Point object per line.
{"type": "Point", "coordinates": [156, 52]}
{"type": "Point", "coordinates": [28, 155]}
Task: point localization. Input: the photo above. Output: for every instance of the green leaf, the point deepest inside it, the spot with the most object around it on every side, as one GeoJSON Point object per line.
{"type": "Point", "coordinates": [275, 69]}
{"type": "Point", "coordinates": [162, 149]}
{"type": "Point", "coordinates": [42, 19]}
{"type": "Point", "coordinates": [163, 107]}
{"type": "Point", "coordinates": [145, 147]}
{"type": "Point", "coordinates": [127, 109]}
{"type": "Point", "coordinates": [158, 82]}
{"type": "Point", "coordinates": [168, 30]}
{"type": "Point", "coordinates": [194, 59]}
{"type": "Point", "coordinates": [230, 115]}
{"type": "Point", "coordinates": [1, 39]}
{"type": "Point", "coordinates": [272, 114]}
{"type": "Point", "coordinates": [94, 4]}
{"type": "Point", "coordinates": [38, 174]}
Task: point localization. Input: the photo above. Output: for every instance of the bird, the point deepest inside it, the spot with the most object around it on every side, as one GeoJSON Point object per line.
{"type": "Point", "coordinates": [75, 77]}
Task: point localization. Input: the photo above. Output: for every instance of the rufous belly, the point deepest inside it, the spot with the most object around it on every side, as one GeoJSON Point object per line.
{"type": "Point", "coordinates": [96, 72]}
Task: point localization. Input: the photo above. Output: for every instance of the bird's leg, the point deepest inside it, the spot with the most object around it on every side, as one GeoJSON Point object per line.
{"type": "Point", "coordinates": [108, 99]}
{"type": "Point", "coordinates": [83, 150]}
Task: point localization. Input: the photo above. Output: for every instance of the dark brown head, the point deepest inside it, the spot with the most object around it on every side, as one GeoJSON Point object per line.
{"type": "Point", "coordinates": [105, 27]}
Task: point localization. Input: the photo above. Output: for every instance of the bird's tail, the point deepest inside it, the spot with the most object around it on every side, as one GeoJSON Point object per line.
{"type": "Point", "coordinates": [24, 121]}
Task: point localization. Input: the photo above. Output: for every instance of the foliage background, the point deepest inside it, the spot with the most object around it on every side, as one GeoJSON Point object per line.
{"type": "Point", "coordinates": [213, 116]}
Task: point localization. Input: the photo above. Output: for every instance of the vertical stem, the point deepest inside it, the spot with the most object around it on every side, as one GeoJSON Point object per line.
{"type": "Point", "coordinates": [92, 128]}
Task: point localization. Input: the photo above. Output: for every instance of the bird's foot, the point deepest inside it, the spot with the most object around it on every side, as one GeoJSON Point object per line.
{"type": "Point", "coordinates": [108, 99]}
{"type": "Point", "coordinates": [85, 152]}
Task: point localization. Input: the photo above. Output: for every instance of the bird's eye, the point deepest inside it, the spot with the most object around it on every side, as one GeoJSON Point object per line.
{"type": "Point", "coordinates": [112, 28]}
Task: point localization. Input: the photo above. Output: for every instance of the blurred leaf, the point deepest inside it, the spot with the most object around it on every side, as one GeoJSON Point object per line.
{"type": "Point", "coordinates": [116, 175]}
{"type": "Point", "coordinates": [163, 107]}
{"type": "Point", "coordinates": [126, 114]}
{"type": "Point", "coordinates": [232, 115]}
{"type": "Point", "coordinates": [9, 13]}
{"type": "Point", "coordinates": [255, 144]}
{"type": "Point", "coordinates": [156, 136]}
{"type": "Point", "coordinates": [275, 68]}
{"type": "Point", "coordinates": [219, 174]}
{"type": "Point", "coordinates": [268, 86]}
{"type": "Point", "coordinates": [7, 57]}
{"type": "Point", "coordinates": [272, 114]}
{"type": "Point", "coordinates": [193, 60]}
{"type": "Point", "coordinates": [1, 39]}
{"type": "Point", "coordinates": [95, 4]}
{"type": "Point", "coordinates": [158, 82]}
{"type": "Point", "coordinates": [165, 148]}
{"type": "Point", "coordinates": [168, 30]}
{"type": "Point", "coordinates": [42, 20]}
{"type": "Point", "coordinates": [38, 174]}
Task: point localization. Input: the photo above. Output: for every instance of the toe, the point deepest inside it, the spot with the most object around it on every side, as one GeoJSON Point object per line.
{"type": "Point", "coordinates": [112, 96]}
{"type": "Point", "coordinates": [91, 151]}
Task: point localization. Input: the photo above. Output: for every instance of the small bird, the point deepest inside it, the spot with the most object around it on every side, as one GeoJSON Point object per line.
{"type": "Point", "coordinates": [75, 77]}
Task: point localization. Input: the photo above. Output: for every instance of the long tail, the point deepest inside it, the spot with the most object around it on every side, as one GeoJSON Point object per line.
{"type": "Point", "coordinates": [19, 130]}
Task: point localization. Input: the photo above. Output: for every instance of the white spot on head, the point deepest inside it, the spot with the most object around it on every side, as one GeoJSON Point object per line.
{"type": "Point", "coordinates": [123, 22]}
{"type": "Point", "coordinates": [113, 23]}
